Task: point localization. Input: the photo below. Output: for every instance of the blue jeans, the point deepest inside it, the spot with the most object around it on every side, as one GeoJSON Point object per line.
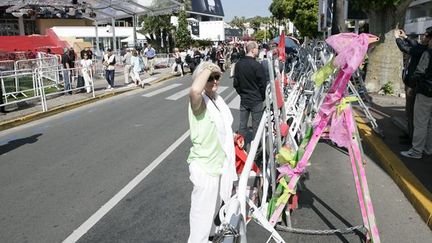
{"type": "Point", "coordinates": [109, 76]}
{"type": "Point", "coordinates": [256, 112]}
{"type": "Point", "coordinates": [66, 79]}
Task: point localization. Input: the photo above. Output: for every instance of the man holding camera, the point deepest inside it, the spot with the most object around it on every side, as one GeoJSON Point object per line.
{"type": "Point", "coordinates": [415, 50]}
{"type": "Point", "coordinates": [422, 136]}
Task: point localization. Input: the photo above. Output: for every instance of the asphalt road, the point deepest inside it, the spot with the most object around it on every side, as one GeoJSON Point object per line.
{"type": "Point", "coordinates": [57, 173]}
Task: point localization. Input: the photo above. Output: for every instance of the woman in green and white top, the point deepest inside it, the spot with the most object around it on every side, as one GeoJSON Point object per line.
{"type": "Point", "coordinates": [211, 158]}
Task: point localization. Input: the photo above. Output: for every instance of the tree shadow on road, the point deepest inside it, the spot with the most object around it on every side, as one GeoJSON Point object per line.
{"type": "Point", "coordinates": [14, 144]}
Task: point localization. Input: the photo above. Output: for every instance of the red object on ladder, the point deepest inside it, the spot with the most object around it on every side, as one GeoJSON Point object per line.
{"type": "Point", "coordinates": [241, 155]}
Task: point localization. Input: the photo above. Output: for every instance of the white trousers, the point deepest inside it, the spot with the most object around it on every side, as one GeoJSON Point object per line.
{"type": "Point", "coordinates": [232, 70]}
{"type": "Point", "coordinates": [87, 80]}
{"type": "Point", "coordinates": [205, 202]}
{"type": "Point", "coordinates": [178, 66]}
{"type": "Point", "coordinates": [422, 137]}
{"type": "Point", "coordinates": [135, 77]}
{"type": "Point", "coordinates": [127, 72]}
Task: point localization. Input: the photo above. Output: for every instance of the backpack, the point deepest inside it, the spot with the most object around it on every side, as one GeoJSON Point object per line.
{"type": "Point", "coordinates": [188, 58]}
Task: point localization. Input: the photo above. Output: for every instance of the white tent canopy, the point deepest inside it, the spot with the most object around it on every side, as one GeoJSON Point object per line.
{"type": "Point", "coordinates": [130, 39]}
{"type": "Point", "coordinates": [107, 9]}
{"type": "Point", "coordinates": [100, 10]}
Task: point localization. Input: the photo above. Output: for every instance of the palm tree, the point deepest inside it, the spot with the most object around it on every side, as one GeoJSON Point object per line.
{"type": "Point", "coordinates": [157, 27]}
{"type": "Point", "coordinates": [238, 22]}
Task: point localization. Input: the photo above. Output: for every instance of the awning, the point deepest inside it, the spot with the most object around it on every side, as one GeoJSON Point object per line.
{"type": "Point", "coordinates": [130, 39]}
{"type": "Point", "coordinates": [99, 10]}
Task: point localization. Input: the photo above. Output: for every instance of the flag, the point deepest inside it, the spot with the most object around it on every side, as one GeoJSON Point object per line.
{"type": "Point", "coordinates": [281, 47]}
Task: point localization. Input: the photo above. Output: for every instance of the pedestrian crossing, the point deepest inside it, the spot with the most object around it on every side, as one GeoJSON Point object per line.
{"type": "Point", "coordinates": [183, 92]}
{"type": "Point", "coordinates": [161, 90]}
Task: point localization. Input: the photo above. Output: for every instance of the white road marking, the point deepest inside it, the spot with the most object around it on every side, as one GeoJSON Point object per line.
{"type": "Point", "coordinates": [149, 79]}
{"type": "Point", "coordinates": [221, 89]}
{"type": "Point", "coordinates": [184, 92]}
{"type": "Point", "coordinates": [90, 222]}
{"type": "Point", "coordinates": [235, 103]}
{"type": "Point", "coordinates": [178, 95]}
{"type": "Point", "coordinates": [161, 90]}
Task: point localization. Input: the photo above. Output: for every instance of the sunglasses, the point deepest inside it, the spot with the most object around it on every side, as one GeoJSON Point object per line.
{"type": "Point", "coordinates": [213, 77]}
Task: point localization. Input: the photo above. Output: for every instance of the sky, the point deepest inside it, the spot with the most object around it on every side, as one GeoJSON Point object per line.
{"type": "Point", "coordinates": [246, 8]}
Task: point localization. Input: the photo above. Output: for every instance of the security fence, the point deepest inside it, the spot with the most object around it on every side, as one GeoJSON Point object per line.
{"type": "Point", "coordinates": [43, 82]}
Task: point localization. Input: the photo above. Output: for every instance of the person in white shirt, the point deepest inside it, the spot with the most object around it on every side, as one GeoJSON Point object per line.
{"type": "Point", "coordinates": [127, 65]}
{"type": "Point", "coordinates": [178, 62]}
{"type": "Point", "coordinates": [86, 68]}
{"type": "Point", "coordinates": [109, 65]}
{"type": "Point", "coordinates": [136, 68]}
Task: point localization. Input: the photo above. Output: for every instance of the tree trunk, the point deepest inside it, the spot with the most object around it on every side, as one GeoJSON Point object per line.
{"type": "Point", "coordinates": [385, 59]}
{"type": "Point", "coordinates": [338, 22]}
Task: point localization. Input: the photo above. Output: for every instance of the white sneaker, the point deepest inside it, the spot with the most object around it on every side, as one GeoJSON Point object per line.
{"type": "Point", "coordinates": [109, 87]}
{"type": "Point", "coordinates": [411, 154]}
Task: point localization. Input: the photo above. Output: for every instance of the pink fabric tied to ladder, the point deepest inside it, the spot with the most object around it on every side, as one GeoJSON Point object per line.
{"type": "Point", "coordinates": [351, 49]}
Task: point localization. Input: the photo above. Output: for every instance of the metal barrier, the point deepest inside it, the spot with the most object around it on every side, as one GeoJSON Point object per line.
{"type": "Point", "coordinates": [10, 90]}
{"type": "Point", "coordinates": [307, 106]}
{"type": "Point", "coordinates": [51, 62]}
{"type": "Point", "coordinates": [36, 84]}
{"type": "Point", "coordinates": [7, 65]}
{"type": "Point", "coordinates": [164, 59]}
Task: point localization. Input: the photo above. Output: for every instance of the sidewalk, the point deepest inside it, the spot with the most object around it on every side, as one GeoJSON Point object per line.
{"type": "Point", "coordinates": [411, 175]}
{"type": "Point", "coordinates": [28, 111]}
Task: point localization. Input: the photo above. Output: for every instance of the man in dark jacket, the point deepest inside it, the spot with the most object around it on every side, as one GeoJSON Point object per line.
{"type": "Point", "coordinates": [250, 84]}
{"type": "Point", "coordinates": [415, 50]}
{"type": "Point", "coordinates": [422, 136]}
{"type": "Point", "coordinates": [66, 70]}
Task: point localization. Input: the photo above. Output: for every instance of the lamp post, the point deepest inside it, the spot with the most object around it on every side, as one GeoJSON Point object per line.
{"type": "Point", "coordinates": [114, 35]}
{"type": "Point", "coordinates": [134, 23]}
{"type": "Point", "coordinates": [20, 17]}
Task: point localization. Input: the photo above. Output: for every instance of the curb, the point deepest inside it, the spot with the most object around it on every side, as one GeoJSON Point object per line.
{"type": "Point", "coordinates": [413, 189]}
{"type": "Point", "coordinates": [58, 109]}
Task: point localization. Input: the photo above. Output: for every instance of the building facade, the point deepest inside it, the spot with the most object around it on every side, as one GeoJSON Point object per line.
{"type": "Point", "coordinates": [418, 17]}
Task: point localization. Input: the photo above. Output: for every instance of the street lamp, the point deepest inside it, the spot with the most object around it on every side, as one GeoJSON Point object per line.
{"type": "Point", "coordinates": [17, 14]}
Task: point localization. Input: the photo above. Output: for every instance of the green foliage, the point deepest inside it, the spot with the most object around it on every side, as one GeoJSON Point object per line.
{"type": "Point", "coordinates": [183, 38]}
{"type": "Point", "coordinates": [303, 13]}
{"type": "Point", "coordinates": [257, 21]}
{"type": "Point", "coordinates": [154, 25]}
{"type": "Point", "coordinates": [388, 88]}
{"type": "Point", "coordinates": [238, 22]}
{"type": "Point", "coordinates": [202, 43]}
{"type": "Point", "coordinates": [261, 35]}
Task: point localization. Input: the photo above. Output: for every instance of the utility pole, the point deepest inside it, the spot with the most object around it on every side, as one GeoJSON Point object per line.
{"type": "Point", "coordinates": [338, 23]}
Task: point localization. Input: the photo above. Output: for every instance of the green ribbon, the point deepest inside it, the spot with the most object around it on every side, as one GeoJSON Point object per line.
{"type": "Point", "coordinates": [344, 103]}
{"type": "Point", "coordinates": [283, 199]}
{"type": "Point", "coordinates": [285, 156]}
{"type": "Point", "coordinates": [323, 73]}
